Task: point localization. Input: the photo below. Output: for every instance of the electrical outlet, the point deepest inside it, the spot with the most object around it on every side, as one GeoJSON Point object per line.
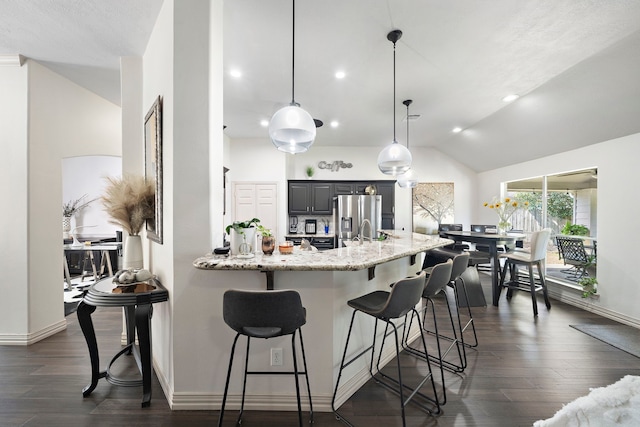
{"type": "Point", "coordinates": [276, 357]}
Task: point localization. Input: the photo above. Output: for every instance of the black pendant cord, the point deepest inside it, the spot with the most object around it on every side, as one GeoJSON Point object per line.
{"type": "Point", "coordinates": [407, 102]}
{"type": "Point", "coordinates": [394, 92]}
{"type": "Point", "coordinates": [293, 56]}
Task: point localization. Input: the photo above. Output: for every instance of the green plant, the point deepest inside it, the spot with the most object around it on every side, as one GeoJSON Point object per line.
{"type": "Point", "coordinates": [575, 229]}
{"type": "Point", "coordinates": [589, 286]}
{"type": "Point", "coordinates": [265, 232]}
{"type": "Point", "coordinates": [310, 170]}
{"type": "Point", "coordinates": [239, 226]}
{"type": "Point", "coordinates": [73, 206]}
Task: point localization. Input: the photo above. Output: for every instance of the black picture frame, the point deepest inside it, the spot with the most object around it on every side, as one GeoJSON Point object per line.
{"type": "Point", "coordinates": [153, 165]}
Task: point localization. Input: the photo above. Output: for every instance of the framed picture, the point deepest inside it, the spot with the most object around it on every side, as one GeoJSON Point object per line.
{"type": "Point", "coordinates": [432, 206]}
{"type": "Point", "coordinates": [153, 165]}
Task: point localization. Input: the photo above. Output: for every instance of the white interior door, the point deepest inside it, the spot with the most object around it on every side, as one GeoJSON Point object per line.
{"type": "Point", "coordinates": [256, 200]}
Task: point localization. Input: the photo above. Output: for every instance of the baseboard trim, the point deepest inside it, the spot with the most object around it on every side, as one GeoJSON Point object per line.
{"type": "Point", "coordinates": [33, 337]}
{"type": "Point", "coordinates": [574, 298]}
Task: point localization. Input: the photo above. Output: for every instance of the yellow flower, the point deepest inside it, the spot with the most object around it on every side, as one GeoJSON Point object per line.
{"type": "Point", "coordinates": [507, 199]}
{"type": "Point", "coordinates": [486, 204]}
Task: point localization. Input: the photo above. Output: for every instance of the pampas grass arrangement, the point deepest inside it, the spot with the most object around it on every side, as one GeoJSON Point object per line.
{"type": "Point", "coordinates": [129, 201]}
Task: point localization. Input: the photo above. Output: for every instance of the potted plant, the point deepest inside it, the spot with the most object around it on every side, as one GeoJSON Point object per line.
{"type": "Point", "coordinates": [268, 240]}
{"type": "Point", "coordinates": [575, 229]}
{"type": "Point", "coordinates": [130, 202]}
{"type": "Point", "coordinates": [69, 209]}
{"type": "Point", "coordinates": [241, 232]}
{"type": "Point", "coordinates": [310, 170]}
{"type": "Point", "coordinates": [589, 286]}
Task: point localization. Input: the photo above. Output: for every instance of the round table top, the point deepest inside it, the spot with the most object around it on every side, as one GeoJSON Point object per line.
{"type": "Point", "coordinates": [107, 293]}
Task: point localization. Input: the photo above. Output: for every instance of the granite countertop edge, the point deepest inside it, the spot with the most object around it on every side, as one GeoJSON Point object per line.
{"type": "Point", "coordinates": [351, 258]}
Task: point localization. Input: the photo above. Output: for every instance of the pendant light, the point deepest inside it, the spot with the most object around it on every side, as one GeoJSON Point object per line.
{"type": "Point", "coordinates": [291, 128]}
{"type": "Point", "coordinates": [394, 159]}
{"type": "Point", "coordinates": [407, 180]}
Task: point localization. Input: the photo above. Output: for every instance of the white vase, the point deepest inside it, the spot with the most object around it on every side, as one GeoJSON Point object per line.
{"type": "Point", "coordinates": [66, 226]}
{"type": "Point", "coordinates": [237, 239]}
{"type": "Point", "coordinates": [132, 257]}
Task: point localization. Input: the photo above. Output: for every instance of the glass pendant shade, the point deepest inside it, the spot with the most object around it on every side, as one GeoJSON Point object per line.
{"type": "Point", "coordinates": [394, 159]}
{"type": "Point", "coordinates": [292, 129]}
{"type": "Point", "coordinates": [406, 180]}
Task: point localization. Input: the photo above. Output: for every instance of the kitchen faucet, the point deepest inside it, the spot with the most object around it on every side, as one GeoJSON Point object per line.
{"type": "Point", "coordinates": [360, 232]}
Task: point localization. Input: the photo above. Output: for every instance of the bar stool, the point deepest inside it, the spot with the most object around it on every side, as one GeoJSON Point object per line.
{"type": "Point", "coordinates": [538, 253]}
{"type": "Point", "coordinates": [387, 306]}
{"type": "Point", "coordinates": [456, 281]}
{"type": "Point", "coordinates": [265, 314]}
{"type": "Point", "coordinates": [435, 284]}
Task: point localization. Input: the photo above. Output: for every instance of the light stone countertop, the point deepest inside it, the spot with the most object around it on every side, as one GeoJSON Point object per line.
{"type": "Point", "coordinates": [356, 257]}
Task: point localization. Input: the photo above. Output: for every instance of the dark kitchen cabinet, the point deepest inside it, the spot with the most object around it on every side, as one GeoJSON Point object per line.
{"type": "Point", "coordinates": [343, 188]}
{"type": "Point", "coordinates": [299, 198]}
{"type": "Point", "coordinates": [310, 198]}
{"type": "Point", "coordinates": [388, 193]}
{"type": "Point", "coordinates": [321, 198]}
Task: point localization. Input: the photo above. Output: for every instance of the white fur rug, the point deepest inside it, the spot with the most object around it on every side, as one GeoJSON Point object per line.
{"type": "Point", "coordinates": [615, 405]}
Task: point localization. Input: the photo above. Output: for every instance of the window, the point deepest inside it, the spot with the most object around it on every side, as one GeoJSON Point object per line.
{"type": "Point", "coordinates": [567, 204]}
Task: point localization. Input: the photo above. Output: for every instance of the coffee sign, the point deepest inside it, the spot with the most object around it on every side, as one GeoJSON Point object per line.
{"type": "Point", "coordinates": [334, 166]}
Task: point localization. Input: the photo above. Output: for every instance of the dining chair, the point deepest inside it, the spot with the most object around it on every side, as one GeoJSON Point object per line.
{"type": "Point", "coordinates": [573, 253]}
{"type": "Point", "coordinates": [538, 253]}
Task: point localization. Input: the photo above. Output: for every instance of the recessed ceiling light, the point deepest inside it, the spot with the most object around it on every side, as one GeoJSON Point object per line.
{"type": "Point", "coordinates": [235, 73]}
{"type": "Point", "coordinates": [335, 124]}
{"type": "Point", "coordinates": [340, 75]}
{"type": "Point", "coordinates": [264, 123]}
{"type": "Point", "coordinates": [456, 130]}
{"type": "Point", "coordinates": [511, 97]}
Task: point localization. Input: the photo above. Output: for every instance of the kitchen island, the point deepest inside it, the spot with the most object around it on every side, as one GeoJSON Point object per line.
{"type": "Point", "coordinates": [326, 281]}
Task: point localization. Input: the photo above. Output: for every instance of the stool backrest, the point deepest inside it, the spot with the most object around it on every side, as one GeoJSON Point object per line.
{"type": "Point", "coordinates": [439, 278]}
{"type": "Point", "coordinates": [263, 309]}
{"type": "Point", "coordinates": [460, 264]}
{"type": "Point", "coordinates": [539, 242]}
{"type": "Point", "coordinates": [404, 296]}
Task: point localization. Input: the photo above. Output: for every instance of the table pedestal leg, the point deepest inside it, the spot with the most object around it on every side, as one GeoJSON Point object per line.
{"type": "Point", "coordinates": [495, 273]}
{"type": "Point", "coordinates": [143, 326]}
{"type": "Point", "coordinates": [86, 324]}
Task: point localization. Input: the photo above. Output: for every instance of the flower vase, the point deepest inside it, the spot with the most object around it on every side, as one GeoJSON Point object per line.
{"type": "Point", "coordinates": [503, 227]}
{"type": "Point", "coordinates": [268, 245]}
{"type": "Point", "coordinates": [132, 253]}
{"type": "Point", "coordinates": [66, 226]}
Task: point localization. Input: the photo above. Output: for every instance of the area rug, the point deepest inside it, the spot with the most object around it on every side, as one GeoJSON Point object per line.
{"type": "Point", "coordinates": [615, 405]}
{"type": "Point", "coordinates": [626, 338]}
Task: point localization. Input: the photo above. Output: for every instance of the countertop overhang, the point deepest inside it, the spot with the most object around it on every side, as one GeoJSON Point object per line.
{"type": "Point", "coordinates": [352, 258]}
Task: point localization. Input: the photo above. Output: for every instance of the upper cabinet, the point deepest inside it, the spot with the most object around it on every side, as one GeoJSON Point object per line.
{"type": "Point", "coordinates": [316, 197]}
{"type": "Point", "coordinates": [321, 198]}
{"type": "Point", "coordinates": [299, 197]}
{"type": "Point", "coordinates": [310, 198]}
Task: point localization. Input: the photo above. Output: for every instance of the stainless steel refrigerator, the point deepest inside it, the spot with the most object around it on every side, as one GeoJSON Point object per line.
{"type": "Point", "coordinates": [350, 211]}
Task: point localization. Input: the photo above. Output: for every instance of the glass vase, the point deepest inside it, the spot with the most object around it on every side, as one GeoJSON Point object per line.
{"type": "Point", "coordinates": [268, 244]}
{"type": "Point", "coordinates": [503, 227]}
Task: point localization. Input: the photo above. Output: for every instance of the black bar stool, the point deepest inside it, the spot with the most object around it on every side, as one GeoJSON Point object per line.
{"type": "Point", "coordinates": [265, 314]}
{"type": "Point", "coordinates": [435, 284]}
{"type": "Point", "coordinates": [387, 306]}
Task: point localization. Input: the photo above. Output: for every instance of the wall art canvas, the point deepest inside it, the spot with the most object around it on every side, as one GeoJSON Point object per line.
{"type": "Point", "coordinates": [153, 165]}
{"type": "Point", "coordinates": [432, 205]}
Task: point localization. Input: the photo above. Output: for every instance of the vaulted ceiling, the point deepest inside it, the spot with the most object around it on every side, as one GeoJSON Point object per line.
{"type": "Point", "coordinates": [574, 64]}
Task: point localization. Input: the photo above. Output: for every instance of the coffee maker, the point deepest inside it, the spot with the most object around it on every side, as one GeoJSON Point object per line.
{"type": "Point", "coordinates": [293, 224]}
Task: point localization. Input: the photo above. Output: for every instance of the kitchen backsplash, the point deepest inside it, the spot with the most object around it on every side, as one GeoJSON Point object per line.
{"type": "Point", "coordinates": [322, 220]}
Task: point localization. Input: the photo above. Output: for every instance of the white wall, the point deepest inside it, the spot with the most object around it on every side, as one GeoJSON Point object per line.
{"type": "Point", "coordinates": [618, 201]}
{"type": "Point", "coordinates": [429, 165]}
{"type": "Point", "coordinates": [181, 65]}
{"type": "Point", "coordinates": [14, 193]}
{"type": "Point", "coordinates": [53, 119]}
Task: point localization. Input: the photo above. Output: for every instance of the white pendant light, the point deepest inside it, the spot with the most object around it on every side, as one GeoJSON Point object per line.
{"type": "Point", "coordinates": [291, 128]}
{"type": "Point", "coordinates": [407, 180]}
{"type": "Point", "coordinates": [394, 159]}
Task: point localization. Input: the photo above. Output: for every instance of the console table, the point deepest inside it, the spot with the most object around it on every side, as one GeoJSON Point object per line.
{"type": "Point", "coordinates": [137, 301]}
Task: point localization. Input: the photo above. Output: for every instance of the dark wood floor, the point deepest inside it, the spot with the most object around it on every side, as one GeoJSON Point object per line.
{"type": "Point", "coordinates": [524, 369]}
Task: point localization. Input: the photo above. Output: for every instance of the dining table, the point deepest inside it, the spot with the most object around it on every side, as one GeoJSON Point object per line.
{"type": "Point", "coordinates": [492, 241]}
